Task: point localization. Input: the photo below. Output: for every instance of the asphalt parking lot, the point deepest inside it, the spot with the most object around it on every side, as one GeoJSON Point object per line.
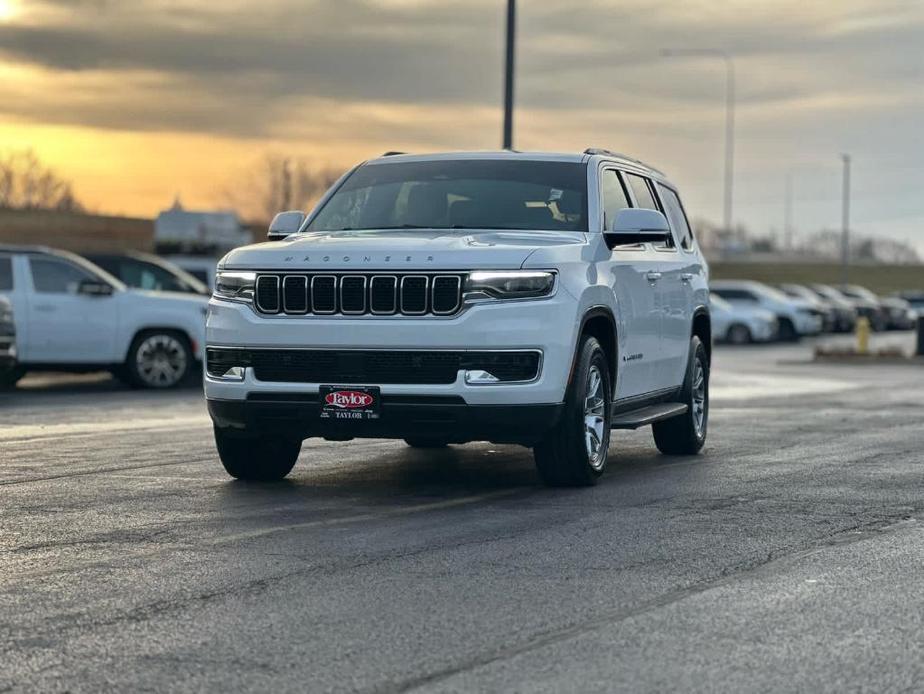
{"type": "Point", "coordinates": [787, 556]}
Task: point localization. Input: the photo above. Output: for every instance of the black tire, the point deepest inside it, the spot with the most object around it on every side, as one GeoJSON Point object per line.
{"type": "Point", "coordinates": [563, 457]}
{"type": "Point", "coordinates": [256, 458]}
{"type": "Point", "coordinates": [9, 377]}
{"type": "Point", "coordinates": [681, 435]}
{"type": "Point", "coordinates": [159, 359]}
{"type": "Point", "coordinates": [423, 442]}
{"type": "Point", "coordinates": [739, 334]}
{"type": "Point", "coordinates": [788, 331]}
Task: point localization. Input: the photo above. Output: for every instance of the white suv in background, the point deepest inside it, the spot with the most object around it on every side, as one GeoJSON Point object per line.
{"type": "Point", "coordinates": [537, 299]}
{"type": "Point", "coordinates": [71, 315]}
{"type": "Point", "coordinates": [796, 317]}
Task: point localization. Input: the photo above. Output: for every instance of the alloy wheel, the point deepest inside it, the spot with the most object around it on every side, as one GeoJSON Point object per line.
{"type": "Point", "coordinates": [161, 361]}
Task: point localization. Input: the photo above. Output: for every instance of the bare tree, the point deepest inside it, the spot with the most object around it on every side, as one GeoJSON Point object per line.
{"type": "Point", "coordinates": [278, 183]}
{"type": "Point", "coordinates": [27, 184]}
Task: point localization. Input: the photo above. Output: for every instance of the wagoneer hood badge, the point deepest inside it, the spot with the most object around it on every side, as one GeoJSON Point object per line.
{"type": "Point", "coordinates": [404, 249]}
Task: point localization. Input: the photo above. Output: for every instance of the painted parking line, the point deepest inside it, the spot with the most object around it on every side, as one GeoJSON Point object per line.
{"type": "Point", "coordinates": [732, 386]}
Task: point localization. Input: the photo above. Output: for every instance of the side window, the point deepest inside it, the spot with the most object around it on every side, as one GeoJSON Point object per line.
{"type": "Point", "coordinates": [614, 197]}
{"type": "Point", "coordinates": [146, 276]}
{"type": "Point", "coordinates": [6, 273]}
{"type": "Point", "coordinates": [52, 276]}
{"type": "Point", "coordinates": [641, 191]}
{"type": "Point", "coordinates": [676, 216]}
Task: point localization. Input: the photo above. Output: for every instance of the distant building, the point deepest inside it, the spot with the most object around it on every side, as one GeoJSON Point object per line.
{"type": "Point", "coordinates": [178, 230]}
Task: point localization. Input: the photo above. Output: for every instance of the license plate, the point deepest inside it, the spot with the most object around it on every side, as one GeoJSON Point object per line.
{"type": "Point", "coordinates": [344, 403]}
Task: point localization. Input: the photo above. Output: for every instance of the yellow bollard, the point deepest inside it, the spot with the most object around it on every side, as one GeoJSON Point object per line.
{"type": "Point", "coordinates": [863, 335]}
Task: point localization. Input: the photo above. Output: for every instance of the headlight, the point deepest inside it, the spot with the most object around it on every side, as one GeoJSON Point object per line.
{"type": "Point", "coordinates": [513, 284]}
{"type": "Point", "coordinates": [235, 285]}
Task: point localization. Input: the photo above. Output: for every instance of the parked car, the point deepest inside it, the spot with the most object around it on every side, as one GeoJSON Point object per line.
{"type": "Point", "coordinates": [796, 317]}
{"type": "Point", "coordinates": [900, 315]}
{"type": "Point", "coordinates": [8, 361]}
{"type": "Point", "coordinates": [449, 298]}
{"type": "Point", "coordinates": [868, 305]}
{"type": "Point", "coordinates": [915, 298]}
{"type": "Point", "coordinates": [200, 267]}
{"type": "Point", "coordinates": [741, 324]}
{"type": "Point", "coordinates": [839, 314]}
{"type": "Point", "coordinates": [146, 271]}
{"type": "Point", "coordinates": [72, 315]}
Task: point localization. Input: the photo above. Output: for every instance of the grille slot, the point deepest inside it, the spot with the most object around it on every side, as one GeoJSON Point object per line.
{"type": "Point", "coordinates": [414, 295]}
{"type": "Point", "coordinates": [267, 294]}
{"type": "Point", "coordinates": [353, 294]}
{"type": "Point", "coordinates": [324, 294]}
{"type": "Point", "coordinates": [295, 294]}
{"type": "Point", "coordinates": [383, 290]}
{"type": "Point", "coordinates": [356, 294]}
{"type": "Point", "coordinates": [445, 294]}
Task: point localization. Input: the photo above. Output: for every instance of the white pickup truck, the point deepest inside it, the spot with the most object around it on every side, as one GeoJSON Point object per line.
{"type": "Point", "coordinates": [535, 299]}
{"type": "Point", "coordinates": [71, 315]}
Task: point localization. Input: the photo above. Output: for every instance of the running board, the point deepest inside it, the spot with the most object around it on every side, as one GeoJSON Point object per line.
{"type": "Point", "coordinates": [647, 415]}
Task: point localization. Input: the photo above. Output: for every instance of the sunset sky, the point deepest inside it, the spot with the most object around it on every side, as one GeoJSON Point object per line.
{"type": "Point", "coordinates": [139, 100]}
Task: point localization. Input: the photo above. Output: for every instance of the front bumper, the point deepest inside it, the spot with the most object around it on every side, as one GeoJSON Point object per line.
{"type": "Point", "coordinates": [447, 418]}
{"type": "Point", "coordinates": [547, 325]}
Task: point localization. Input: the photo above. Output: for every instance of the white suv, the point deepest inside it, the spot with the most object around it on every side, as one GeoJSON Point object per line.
{"type": "Point", "coordinates": [536, 299]}
{"type": "Point", "coordinates": [71, 315]}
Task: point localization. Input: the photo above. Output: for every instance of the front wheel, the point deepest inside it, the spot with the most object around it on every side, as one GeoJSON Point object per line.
{"type": "Point", "coordinates": [686, 433]}
{"type": "Point", "coordinates": [739, 334]}
{"type": "Point", "coordinates": [10, 376]}
{"type": "Point", "coordinates": [574, 451]}
{"type": "Point", "coordinates": [255, 457]}
{"type": "Point", "coordinates": [158, 359]}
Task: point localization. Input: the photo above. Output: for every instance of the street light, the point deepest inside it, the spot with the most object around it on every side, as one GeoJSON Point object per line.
{"type": "Point", "coordinates": [508, 74]}
{"type": "Point", "coordinates": [729, 114]}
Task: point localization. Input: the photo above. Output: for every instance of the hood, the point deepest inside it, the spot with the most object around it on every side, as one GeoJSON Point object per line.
{"type": "Point", "coordinates": [417, 249]}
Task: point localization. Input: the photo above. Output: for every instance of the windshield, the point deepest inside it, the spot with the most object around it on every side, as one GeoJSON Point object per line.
{"type": "Point", "coordinates": [460, 194]}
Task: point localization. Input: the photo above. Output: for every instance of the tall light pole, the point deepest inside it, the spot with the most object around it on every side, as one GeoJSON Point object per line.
{"type": "Point", "coordinates": [845, 221]}
{"type": "Point", "coordinates": [508, 77]}
{"type": "Point", "coordinates": [729, 117]}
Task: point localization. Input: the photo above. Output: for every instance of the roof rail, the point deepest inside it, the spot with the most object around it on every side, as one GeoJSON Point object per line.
{"type": "Point", "coordinates": [392, 154]}
{"type": "Point", "coordinates": [609, 153]}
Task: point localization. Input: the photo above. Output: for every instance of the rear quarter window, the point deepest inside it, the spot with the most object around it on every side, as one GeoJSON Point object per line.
{"type": "Point", "coordinates": [6, 274]}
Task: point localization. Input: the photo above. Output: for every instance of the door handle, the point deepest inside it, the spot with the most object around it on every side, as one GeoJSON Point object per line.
{"type": "Point", "coordinates": [686, 276]}
{"type": "Point", "coordinates": [653, 276]}
{"type": "Point", "coordinates": [46, 308]}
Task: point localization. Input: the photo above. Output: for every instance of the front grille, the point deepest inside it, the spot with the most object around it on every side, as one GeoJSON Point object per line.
{"type": "Point", "coordinates": [359, 294]}
{"type": "Point", "coordinates": [373, 367]}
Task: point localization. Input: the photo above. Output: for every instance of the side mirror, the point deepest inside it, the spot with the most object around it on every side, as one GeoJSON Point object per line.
{"type": "Point", "coordinates": [634, 225]}
{"type": "Point", "coordinates": [285, 224]}
{"type": "Point", "coordinates": [94, 288]}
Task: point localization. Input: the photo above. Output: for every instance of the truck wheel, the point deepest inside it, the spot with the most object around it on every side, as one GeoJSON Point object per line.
{"type": "Point", "coordinates": [158, 359]}
{"type": "Point", "coordinates": [788, 331]}
{"type": "Point", "coordinates": [11, 376]}
{"type": "Point", "coordinates": [574, 451]}
{"type": "Point", "coordinates": [739, 334]}
{"type": "Point", "coordinates": [257, 458]}
{"type": "Point", "coordinates": [686, 433]}
{"type": "Point", "coordinates": [423, 442]}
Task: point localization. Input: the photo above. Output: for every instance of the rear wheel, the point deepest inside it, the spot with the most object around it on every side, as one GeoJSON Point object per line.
{"type": "Point", "coordinates": [788, 331]}
{"type": "Point", "coordinates": [9, 377]}
{"type": "Point", "coordinates": [739, 334]}
{"type": "Point", "coordinates": [686, 433]}
{"type": "Point", "coordinates": [158, 359]}
{"type": "Point", "coordinates": [258, 458]}
{"type": "Point", "coordinates": [574, 451]}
